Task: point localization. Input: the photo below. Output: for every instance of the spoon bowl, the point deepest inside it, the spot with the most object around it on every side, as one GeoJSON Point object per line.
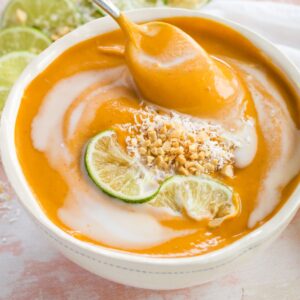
{"type": "Point", "coordinates": [172, 70]}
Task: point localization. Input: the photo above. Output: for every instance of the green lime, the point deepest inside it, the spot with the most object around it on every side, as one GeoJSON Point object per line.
{"type": "Point", "coordinates": [132, 4]}
{"type": "Point", "coordinates": [11, 66]}
{"type": "Point", "coordinates": [3, 96]}
{"type": "Point", "coordinates": [88, 10]}
{"type": "Point", "coordinates": [186, 3]}
{"type": "Point", "coordinates": [22, 39]}
{"type": "Point", "coordinates": [115, 172]}
{"type": "Point", "coordinates": [201, 198]}
{"type": "Point", "coordinates": [53, 17]}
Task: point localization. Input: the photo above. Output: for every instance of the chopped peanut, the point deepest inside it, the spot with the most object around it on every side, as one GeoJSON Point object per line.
{"type": "Point", "coordinates": [228, 171]}
{"type": "Point", "coordinates": [193, 148]}
{"type": "Point", "coordinates": [163, 129]}
{"type": "Point", "coordinates": [172, 147]}
{"type": "Point", "coordinates": [154, 151]}
{"type": "Point", "coordinates": [181, 159]}
{"type": "Point", "coordinates": [166, 146]}
{"type": "Point", "coordinates": [152, 135]}
{"type": "Point", "coordinates": [194, 156]}
{"type": "Point", "coordinates": [143, 151]}
{"type": "Point", "coordinates": [160, 151]}
{"type": "Point", "coordinates": [21, 16]}
{"type": "Point", "coordinates": [150, 159]}
{"type": "Point", "coordinates": [158, 143]}
{"type": "Point", "coordinates": [183, 171]}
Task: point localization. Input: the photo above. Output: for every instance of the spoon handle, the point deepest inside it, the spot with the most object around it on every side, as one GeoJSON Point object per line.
{"type": "Point", "coordinates": [109, 8]}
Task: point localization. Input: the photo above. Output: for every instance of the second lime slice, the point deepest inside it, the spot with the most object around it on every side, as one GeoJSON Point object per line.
{"type": "Point", "coordinates": [88, 10]}
{"type": "Point", "coordinates": [22, 39]}
{"type": "Point", "coordinates": [201, 198]}
{"type": "Point", "coordinates": [11, 66]}
{"type": "Point", "coordinates": [50, 16]}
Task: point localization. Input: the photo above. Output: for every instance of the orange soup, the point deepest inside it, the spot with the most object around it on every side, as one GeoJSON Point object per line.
{"type": "Point", "coordinates": [251, 147]}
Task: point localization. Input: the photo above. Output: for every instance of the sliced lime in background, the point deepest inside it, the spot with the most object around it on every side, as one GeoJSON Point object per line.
{"type": "Point", "coordinates": [11, 66]}
{"type": "Point", "coordinates": [50, 16]}
{"type": "Point", "coordinates": [88, 10]}
{"type": "Point", "coordinates": [133, 4]}
{"type": "Point", "coordinates": [186, 3]}
{"type": "Point", "coordinates": [115, 172]}
{"type": "Point", "coordinates": [22, 39]}
{"type": "Point", "coordinates": [3, 96]}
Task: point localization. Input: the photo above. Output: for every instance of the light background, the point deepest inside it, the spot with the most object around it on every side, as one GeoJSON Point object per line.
{"type": "Point", "coordinates": [31, 269]}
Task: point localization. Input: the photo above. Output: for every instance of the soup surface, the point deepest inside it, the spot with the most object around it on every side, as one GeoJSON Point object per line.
{"type": "Point", "coordinates": [89, 89]}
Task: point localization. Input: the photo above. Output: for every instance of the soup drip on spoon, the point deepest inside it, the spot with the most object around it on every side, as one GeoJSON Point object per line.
{"type": "Point", "coordinates": [172, 70]}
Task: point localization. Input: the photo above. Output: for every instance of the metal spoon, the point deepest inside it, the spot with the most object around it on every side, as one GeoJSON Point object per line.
{"type": "Point", "coordinates": [109, 8]}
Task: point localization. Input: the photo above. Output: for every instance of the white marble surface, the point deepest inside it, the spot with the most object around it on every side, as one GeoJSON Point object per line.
{"type": "Point", "coordinates": [31, 269]}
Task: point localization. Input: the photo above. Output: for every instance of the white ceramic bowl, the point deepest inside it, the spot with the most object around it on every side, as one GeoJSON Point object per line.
{"type": "Point", "coordinates": [130, 269]}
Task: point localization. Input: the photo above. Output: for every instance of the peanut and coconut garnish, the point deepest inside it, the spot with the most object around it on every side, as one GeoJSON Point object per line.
{"type": "Point", "coordinates": [170, 143]}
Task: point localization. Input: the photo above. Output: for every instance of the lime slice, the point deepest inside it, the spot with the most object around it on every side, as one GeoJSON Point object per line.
{"type": "Point", "coordinates": [88, 10]}
{"type": "Point", "coordinates": [52, 17]}
{"type": "Point", "coordinates": [201, 198]}
{"type": "Point", "coordinates": [115, 172]}
{"type": "Point", "coordinates": [11, 66]}
{"type": "Point", "coordinates": [3, 96]}
{"type": "Point", "coordinates": [186, 3]}
{"type": "Point", "coordinates": [22, 39]}
{"type": "Point", "coordinates": [132, 4]}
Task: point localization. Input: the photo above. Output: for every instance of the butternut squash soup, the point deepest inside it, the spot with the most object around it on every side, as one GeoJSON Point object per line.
{"type": "Point", "coordinates": [158, 149]}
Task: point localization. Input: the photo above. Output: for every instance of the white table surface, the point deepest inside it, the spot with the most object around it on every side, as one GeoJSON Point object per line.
{"type": "Point", "coordinates": [31, 269]}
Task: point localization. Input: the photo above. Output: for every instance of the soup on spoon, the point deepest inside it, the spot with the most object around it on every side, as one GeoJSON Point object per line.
{"type": "Point", "coordinates": [172, 70]}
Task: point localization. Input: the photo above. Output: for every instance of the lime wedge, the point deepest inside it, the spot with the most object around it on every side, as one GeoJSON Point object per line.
{"type": "Point", "coordinates": [201, 198]}
{"type": "Point", "coordinates": [115, 172]}
{"type": "Point", "coordinates": [22, 39]}
{"type": "Point", "coordinates": [11, 66]}
{"type": "Point", "coordinates": [50, 16]}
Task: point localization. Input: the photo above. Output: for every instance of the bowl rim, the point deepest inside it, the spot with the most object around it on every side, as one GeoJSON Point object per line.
{"type": "Point", "coordinates": [25, 194]}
